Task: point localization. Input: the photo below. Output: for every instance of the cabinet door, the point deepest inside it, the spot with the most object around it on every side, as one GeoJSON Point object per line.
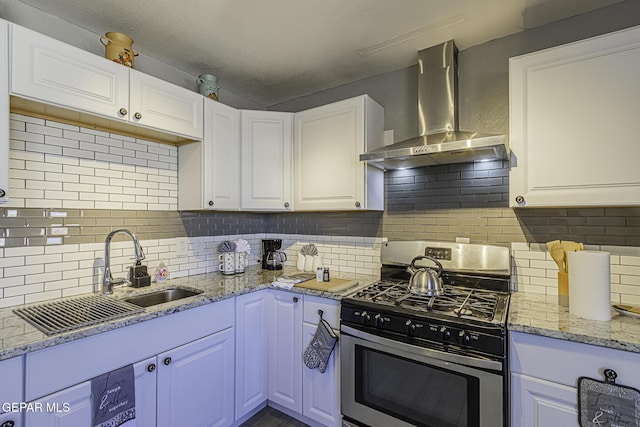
{"type": "Point", "coordinates": [4, 111]}
{"type": "Point", "coordinates": [285, 350]}
{"type": "Point", "coordinates": [161, 105]}
{"type": "Point", "coordinates": [266, 160]}
{"type": "Point", "coordinates": [221, 154]}
{"type": "Point", "coordinates": [251, 352]}
{"type": "Point", "coordinates": [327, 171]}
{"type": "Point", "coordinates": [71, 407]}
{"type": "Point", "coordinates": [540, 403]}
{"type": "Point", "coordinates": [195, 383]}
{"type": "Point", "coordinates": [321, 391]}
{"type": "Point", "coordinates": [571, 110]}
{"type": "Point", "coordinates": [11, 419]}
{"type": "Point", "coordinates": [52, 71]}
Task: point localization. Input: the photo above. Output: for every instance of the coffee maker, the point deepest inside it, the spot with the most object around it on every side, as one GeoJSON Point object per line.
{"type": "Point", "coordinates": [272, 257]}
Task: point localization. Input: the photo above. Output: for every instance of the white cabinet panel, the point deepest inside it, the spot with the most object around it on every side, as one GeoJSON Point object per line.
{"type": "Point", "coordinates": [544, 377]}
{"type": "Point", "coordinates": [209, 171]}
{"type": "Point", "coordinates": [71, 407]}
{"type": "Point", "coordinates": [568, 110]}
{"type": "Point", "coordinates": [328, 141]}
{"type": "Point", "coordinates": [46, 69]}
{"type": "Point", "coordinates": [321, 391]}
{"type": "Point", "coordinates": [12, 380]}
{"type": "Point", "coordinates": [266, 160]}
{"type": "Point", "coordinates": [543, 403]}
{"type": "Point", "coordinates": [251, 352]}
{"type": "Point", "coordinates": [161, 105]}
{"type": "Point", "coordinates": [11, 419]}
{"type": "Point", "coordinates": [285, 350]}
{"type": "Point", "coordinates": [4, 111]}
{"type": "Point", "coordinates": [196, 383]}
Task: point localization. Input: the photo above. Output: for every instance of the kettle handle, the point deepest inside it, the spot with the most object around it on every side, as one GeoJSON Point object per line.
{"type": "Point", "coordinates": [413, 263]}
{"type": "Point", "coordinates": [105, 40]}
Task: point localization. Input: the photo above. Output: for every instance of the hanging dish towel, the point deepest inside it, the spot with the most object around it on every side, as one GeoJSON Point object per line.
{"type": "Point", "coordinates": [317, 353]}
{"type": "Point", "coordinates": [113, 399]}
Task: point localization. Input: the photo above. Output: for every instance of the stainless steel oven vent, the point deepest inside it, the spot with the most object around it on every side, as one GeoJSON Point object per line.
{"type": "Point", "coordinates": [74, 313]}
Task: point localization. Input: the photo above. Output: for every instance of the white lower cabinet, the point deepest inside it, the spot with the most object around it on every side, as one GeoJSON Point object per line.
{"type": "Point", "coordinates": [11, 419]}
{"type": "Point", "coordinates": [251, 353]}
{"type": "Point", "coordinates": [307, 392]}
{"type": "Point", "coordinates": [285, 350]}
{"type": "Point", "coordinates": [321, 391]}
{"type": "Point", "coordinates": [544, 376]}
{"type": "Point", "coordinates": [72, 407]}
{"type": "Point", "coordinates": [195, 383]}
{"type": "Point", "coordinates": [543, 403]}
{"type": "Point", "coordinates": [4, 111]}
{"type": "Point", "coordinates": [11, 390]}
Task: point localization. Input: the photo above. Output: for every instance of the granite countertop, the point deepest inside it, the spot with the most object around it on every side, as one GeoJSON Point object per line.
{"type": "Point", "coordinates": [18, 337]}
{"type": "Point", "coordinates": [541, 315]}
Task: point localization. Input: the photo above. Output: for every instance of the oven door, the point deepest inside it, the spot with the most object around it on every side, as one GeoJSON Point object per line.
{"type": "Point", "coordinates": [391, 383]}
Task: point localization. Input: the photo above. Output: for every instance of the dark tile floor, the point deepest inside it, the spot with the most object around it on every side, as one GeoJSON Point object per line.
{"type": "Point", "coordinates": [269, 417]}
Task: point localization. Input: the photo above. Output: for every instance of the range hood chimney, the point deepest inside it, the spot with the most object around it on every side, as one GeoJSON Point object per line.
{"type": "Point", "coordinates": [440, 141]}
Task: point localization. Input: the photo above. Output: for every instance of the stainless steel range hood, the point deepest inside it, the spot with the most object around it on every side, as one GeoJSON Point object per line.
{"type": "Point", "coordinates": [440, 141]}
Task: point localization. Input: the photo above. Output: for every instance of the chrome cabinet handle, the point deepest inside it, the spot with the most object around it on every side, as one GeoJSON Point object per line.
{"type": "Point", "coordinates": [2, 193]}
{"type": "Point", "coordinates": [519, 199]}
{"type": "Point", "coordinates": [167, 361]}
{"type": "Point", "coordinates": [137, 116]}
{"type": "Point", "coordinates": [210, 202]}
{"type": "Point", "coordinates": [286, 204]}
{"type": "Point", "coordinates": [357, 204]}
{"type": "Point", "coordinates": [295, 299]}
{"type": "Point", "coordinates": [151, 367]}
{"type": "Point", "coordinates": [123, 111]}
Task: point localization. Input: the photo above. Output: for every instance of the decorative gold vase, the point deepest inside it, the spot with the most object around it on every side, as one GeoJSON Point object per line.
{"type": "Point", "coordinates": [118, 48]}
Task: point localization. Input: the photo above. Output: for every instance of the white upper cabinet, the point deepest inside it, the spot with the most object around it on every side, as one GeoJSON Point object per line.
{"type": "Point", "coordinates": [328, 140]}
{"type": "Point", "coordinates": [266, 160]}
{"type": "Point", "coordinates": [209, 171]}
{"type": "Point", "coordinates": [157, 104]}
{"type": "Point", "coordinates": [572, 115]}
{"type": "Point", "coordinates": [4, 111]}
{"type": "Point", "coordinates": [47, 70]}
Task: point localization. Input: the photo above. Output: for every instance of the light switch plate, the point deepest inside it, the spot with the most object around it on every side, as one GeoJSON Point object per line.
{"type": "Point", "coordinates": [182, 246]}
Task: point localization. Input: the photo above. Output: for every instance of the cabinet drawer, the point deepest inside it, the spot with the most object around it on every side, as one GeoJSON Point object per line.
{"type": "Point", "coordinates": [11, 374]}
{"type": "Point", "coordinates": [67, 364]}
{"type": "Point", "coordinates": [330, 310]}
{"type": "Point", "coordinates": [564, 362]}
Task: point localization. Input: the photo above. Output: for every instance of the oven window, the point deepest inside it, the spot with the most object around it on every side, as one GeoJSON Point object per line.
{"type": "Point", "coordinates": [417, 393]}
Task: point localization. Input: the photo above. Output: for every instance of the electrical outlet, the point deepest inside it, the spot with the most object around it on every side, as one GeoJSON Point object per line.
{"type": "Point", "coordinates": [198, 246]}
{"type": "Point", "coordinates": [182, 246]}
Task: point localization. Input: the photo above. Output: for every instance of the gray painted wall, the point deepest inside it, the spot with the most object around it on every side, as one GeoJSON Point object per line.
{"type": "Point", "coordinates": [52, 26]}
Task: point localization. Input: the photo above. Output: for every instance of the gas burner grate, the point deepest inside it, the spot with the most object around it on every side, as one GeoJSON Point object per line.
{"type": "Point", "coordinates": [456, 301]}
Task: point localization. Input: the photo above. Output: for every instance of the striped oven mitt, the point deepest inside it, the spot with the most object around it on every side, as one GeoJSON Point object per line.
{"type": "Point", "coordinates": [317, 353]}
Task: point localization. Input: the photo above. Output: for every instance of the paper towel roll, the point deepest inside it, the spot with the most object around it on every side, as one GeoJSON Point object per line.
{"type": "Point", "coordinates": [590, 284]}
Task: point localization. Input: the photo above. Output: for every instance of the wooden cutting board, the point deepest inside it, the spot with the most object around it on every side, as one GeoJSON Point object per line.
{"type": "Point", "coordinates": [333, 285]}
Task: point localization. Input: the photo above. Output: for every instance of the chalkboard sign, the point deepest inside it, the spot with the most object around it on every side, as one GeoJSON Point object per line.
{"type": "Point", "coordinates": [606, 404]}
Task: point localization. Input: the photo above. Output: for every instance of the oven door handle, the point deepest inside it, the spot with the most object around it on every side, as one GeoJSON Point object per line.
{"type": "Point", "coordinates": [426, 352]}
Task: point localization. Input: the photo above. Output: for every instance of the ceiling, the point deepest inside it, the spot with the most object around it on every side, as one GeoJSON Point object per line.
{"type": "Point", "coordinates": [270, 51]}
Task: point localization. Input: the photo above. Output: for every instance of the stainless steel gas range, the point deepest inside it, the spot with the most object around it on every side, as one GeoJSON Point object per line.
{"type": "Point", "coordinates": [410, 359]}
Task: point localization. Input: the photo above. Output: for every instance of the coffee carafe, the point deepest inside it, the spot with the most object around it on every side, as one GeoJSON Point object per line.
{"type": "Point", "coordinates": [272, 256]}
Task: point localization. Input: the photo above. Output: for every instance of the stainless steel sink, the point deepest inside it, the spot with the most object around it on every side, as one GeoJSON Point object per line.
{"type": "Point", "coordinates": [160, 297]}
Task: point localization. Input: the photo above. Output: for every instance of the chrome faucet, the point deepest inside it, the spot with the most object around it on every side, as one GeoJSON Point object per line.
{"type": "Point", "coordinates": [107, 280]}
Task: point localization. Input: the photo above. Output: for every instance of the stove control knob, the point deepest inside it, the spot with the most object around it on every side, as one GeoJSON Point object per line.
{"type": "Point", "coordinates": [379, 320]}
{"type": "Point", "coordinates": [411, 327]}
{"type": "Point", "coordinates": [465, 338]}
{"type": "Point", "coordinates": [365, 317]}
{"type": "Point", "coordinates": [446, 334]}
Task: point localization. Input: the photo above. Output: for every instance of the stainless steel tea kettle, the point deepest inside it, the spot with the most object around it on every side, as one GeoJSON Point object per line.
{"type": "Point", "coordinates": [425, 281]}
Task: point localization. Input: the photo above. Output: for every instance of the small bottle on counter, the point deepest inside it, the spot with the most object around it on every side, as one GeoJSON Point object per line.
{"type": "Point", "coordinates": [325, 275]}
{"type": "Point", "coordinates": [319, 274]}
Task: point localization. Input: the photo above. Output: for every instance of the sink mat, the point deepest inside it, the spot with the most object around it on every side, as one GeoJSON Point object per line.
{"type": "Point", "coordinates": [68, 314]}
